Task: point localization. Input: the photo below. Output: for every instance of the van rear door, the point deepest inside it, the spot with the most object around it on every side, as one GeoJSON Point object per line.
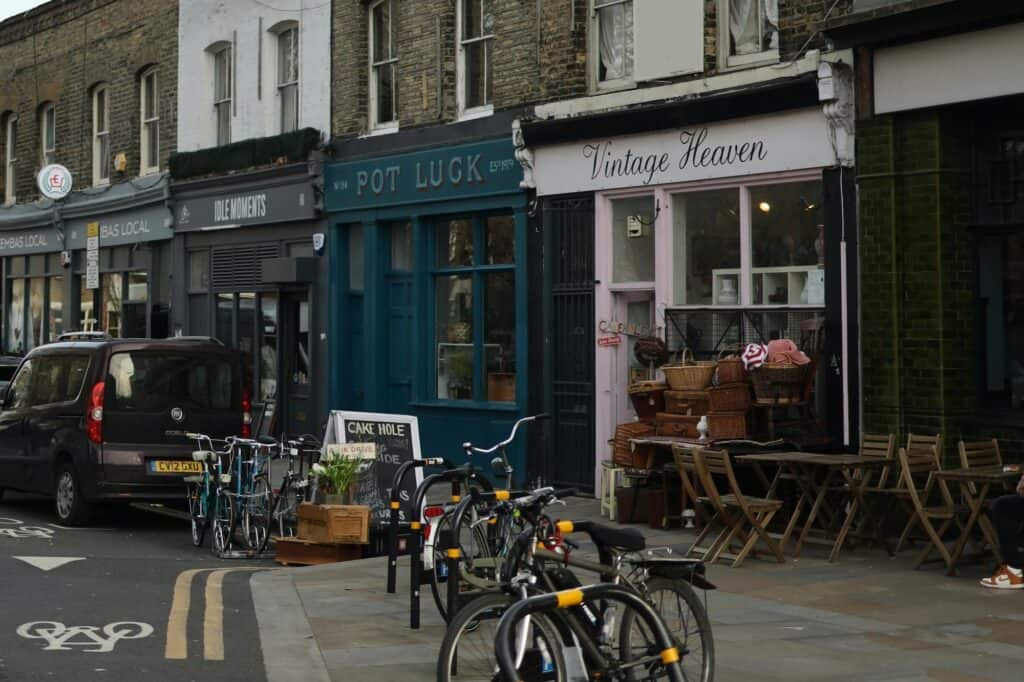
{"type": "Point", "coordinates": [152, 396]}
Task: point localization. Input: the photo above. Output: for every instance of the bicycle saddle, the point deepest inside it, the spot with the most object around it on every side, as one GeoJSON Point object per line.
{"type": "Point", "coordinates": [626, 539]}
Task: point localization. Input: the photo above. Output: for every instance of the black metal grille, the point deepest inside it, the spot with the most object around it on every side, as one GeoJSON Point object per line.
{"type": "Point", "coordinates": [707, 331]}
{"type": "Point", "coordinates": [571, 226]}
{"type": "Point", "coordinates": [238, 267]}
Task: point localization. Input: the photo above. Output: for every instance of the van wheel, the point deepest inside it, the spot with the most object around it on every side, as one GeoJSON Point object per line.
{"type": "Point", "coordinates": [71, 506]}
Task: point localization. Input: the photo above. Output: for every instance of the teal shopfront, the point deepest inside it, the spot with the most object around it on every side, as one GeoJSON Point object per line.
{"type": "Point", "coordinates": [428, 291]}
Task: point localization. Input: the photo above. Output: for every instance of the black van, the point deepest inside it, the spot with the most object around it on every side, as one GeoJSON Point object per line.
{"type": "Point", "coordinates": [90, 418]}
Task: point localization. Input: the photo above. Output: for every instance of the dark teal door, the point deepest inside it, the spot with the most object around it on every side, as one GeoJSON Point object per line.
{"type": "Point", "coordinates": [400, 331]}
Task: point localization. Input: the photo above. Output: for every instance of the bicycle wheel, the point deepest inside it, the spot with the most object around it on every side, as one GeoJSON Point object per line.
{"type": "Point", "coordinates": [477, 561]}
{"type": "Point", "coordinates": [223, 522]}
{"type": "Point", "coordinates": [467, 652]}
{"type": "Point", "coordinates": [256, 515]}
{"type": "Point", "coordinates": [687, 621]}
{"type": "Point", "coordinates": [198, 510]}
{"type": "Point", "coordinates": [286, 507]}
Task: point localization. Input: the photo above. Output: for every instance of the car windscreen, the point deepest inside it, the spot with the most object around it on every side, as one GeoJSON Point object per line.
{"type": "Point", "coordinates": [154, 380]}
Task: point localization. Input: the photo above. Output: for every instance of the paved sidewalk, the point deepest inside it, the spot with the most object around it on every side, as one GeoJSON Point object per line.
{"type": "Point", "coordinates": [866, 618]}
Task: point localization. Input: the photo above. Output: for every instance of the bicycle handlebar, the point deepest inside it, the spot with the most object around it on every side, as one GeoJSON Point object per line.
{"type": "Point", "coordinates": [512, 436]}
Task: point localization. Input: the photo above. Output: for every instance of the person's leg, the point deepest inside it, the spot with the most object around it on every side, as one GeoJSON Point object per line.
{"type": "Point", "coordinates": [1007, 513]}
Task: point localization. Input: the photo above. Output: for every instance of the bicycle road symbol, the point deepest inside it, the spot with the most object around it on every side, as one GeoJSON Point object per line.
{"type": "Point", "coordinates": [14, 528]}
{"type": "Point", "coordinates": [100, 640]}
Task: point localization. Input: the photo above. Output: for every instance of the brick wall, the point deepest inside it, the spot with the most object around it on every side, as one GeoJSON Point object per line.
{"type": "Point", "coordinates": [917, 280]}
{"type": "Point", "coordinates": [59, 52]}
{"type": "Point", "coordinates": [539, 54]}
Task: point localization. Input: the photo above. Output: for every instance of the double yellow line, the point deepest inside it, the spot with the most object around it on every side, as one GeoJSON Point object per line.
{"type": "Point", "coordinates": [213, 617]}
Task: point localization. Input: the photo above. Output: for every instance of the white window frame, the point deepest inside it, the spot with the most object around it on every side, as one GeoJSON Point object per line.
{"type": "Point", "coordinates": [595, 48]}
{"type": "Point", "coordinates": [282, 85]}
{"type": "Point", "coordinates": [100, 166]}
{"type": "Point", "coordinates": [10, 158]}
{"type": "Point", "coordinates": [727, 60]}
{"type": "Point", "coordinates": [486, 109]}
{"type": "Point", "coordinates": [149, 165]}
{"type": "Point", "coordinates": [47, 147]}
{"type": "Point", "coordinates": [227, 100]}
{"type": "Point", "coordinates": [393, 124]}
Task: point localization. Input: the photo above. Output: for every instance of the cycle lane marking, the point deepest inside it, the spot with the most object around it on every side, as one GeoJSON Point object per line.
{"type": "Point", "coordinates": [101, 639]}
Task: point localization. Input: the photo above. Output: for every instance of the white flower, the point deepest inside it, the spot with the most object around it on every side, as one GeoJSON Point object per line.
{"type": "Point", "coordinates": [318, 469]}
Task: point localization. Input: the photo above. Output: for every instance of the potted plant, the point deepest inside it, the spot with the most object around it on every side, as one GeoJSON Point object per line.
{"type": "Point", "coordinates": [336, 476]}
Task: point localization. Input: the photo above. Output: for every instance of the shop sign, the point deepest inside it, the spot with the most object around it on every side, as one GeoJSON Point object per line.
{"type": "Point", "coordinates": [92, 256]}
{"type": "Point", "coordinates": [21, 242]}
{"type": "Point", "coordinates": [471, 170]}
{"type": "Point", "coordinates": [145, 224]}
{"type": "Point", "coordinates": [226, 209]}
{"type": "Point", "coordinates": [761, 144]}
{"type": "Point", "coordinates": [609, 341]}
{"type": "Point", "coordinates": [54, 181]}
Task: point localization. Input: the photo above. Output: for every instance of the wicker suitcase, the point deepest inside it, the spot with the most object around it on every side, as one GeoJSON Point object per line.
{"type": "Point", "coordinates": [729, 397]}
{"type": "Point", "coordinates": [686, 402]}
{"type": "Point", "coordinates": [725, 425]}
{"type": "Point", "coordinates": [681, 425]}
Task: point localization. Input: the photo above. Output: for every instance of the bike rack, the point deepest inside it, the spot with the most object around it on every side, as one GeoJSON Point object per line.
{"type": "Point", "coordinates": [503, 637]}
{"type": "Point", "coordinates": [456, 477]}
{"type": "Point", "coordinates": [395, 526]}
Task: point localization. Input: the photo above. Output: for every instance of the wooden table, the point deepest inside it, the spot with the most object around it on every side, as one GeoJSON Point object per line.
{"type": "Point", "coordinates": [815, 473]}
{"type": "Point", "coordinates": [980, 479]}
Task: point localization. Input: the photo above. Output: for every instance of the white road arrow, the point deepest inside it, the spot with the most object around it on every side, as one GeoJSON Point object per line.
{"type": "Point", "coordinates": [48, 563]}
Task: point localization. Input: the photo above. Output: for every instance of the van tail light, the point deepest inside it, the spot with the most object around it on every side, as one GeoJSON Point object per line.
{"type": "Point", "coordinates": [246, 415]}
{"type": "Point", "coordinates": [94, 417]}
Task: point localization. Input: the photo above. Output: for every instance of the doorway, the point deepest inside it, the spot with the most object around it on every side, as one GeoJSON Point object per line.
{"type": "Point", "coordinates": [296, 364]}
{"type": "Point", "coordinates": [635, 310]}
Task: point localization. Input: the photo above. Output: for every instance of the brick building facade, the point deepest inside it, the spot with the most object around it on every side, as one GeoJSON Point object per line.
{"type": "Point", "coordinates": [59, 53]}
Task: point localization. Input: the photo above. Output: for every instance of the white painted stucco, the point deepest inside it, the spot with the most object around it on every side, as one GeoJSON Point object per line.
{"type": "Point", "coordinates": [250, 26]}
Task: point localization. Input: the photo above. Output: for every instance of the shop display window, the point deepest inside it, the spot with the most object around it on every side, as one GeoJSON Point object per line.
{"type": "Point", "coordinates": [475, 309]}
{"type": "Point", "coordinates": [36, 306]}
{"type": "Point", "coordinates": [87, 307]}
{"type": "Point", "coordinates": [134, 307]}
{"type": "Point", "coordinates": [787, 237]}
{"type": "Point", "coordinates": [55, 311]}
{"type": "Point", "coordinates": [707, 247]}
{"type": "Point", "coordinates": [1000, 270]}
{"type": "Point", "coordinates": [633, 239]}
{"type": "Point", "coordinates": [16, 317]}
{"type": "Point", "coordinates": [113, 296]}
{"type": "Point", "coordinates": [268, 346]}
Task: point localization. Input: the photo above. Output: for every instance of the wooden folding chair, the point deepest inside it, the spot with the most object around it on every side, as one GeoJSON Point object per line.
{"type": "Point", "coordinates": [918, 447]}
{"type": "Point", "coordinates": [917, 475]}
{"type": "Point", "coordinates": [692, 492]}
{"type": "Point", "coordinates": [745, 518]}
{"type": "Point", "coordinates": [871, 507]}
{"type": "Point", "coordinates": [983, 453]}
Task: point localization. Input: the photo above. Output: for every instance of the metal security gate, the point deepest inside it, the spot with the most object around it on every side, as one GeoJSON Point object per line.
{"type": "Point", "coordinates": [568, 225]}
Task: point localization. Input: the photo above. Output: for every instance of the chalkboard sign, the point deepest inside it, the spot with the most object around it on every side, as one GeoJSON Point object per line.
{"type": "Point", "coordinates": [397, 437]}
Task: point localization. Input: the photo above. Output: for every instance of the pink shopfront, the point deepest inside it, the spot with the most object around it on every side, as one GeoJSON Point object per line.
{"type": "Point", "coordinates": [711, 236]}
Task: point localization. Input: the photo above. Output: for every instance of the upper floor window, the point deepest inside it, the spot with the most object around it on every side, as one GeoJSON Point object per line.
{"type": "Point", "coordinates": [288, 77]}
{"type": "Point", "coordinates": [47, 134]}
{"type": "Point", "coordinates": [750, 31]}
{"type": "Point", "coordinates": [633, 42]}
{"type": "Point", "coordinates": [383, 65]}
{"type": "Point", "coordinates": [475, 43]}
{"type": "Point", "coordinates": [614, 39]}
{"type": "Point", "coordinates": [149, 123]}
{"type": "Point", "coordinates": [222, 93]}
{"type": "Point", "coordinates": [100, 136]}
{"type": "Point", "coordinates": [10, 156]}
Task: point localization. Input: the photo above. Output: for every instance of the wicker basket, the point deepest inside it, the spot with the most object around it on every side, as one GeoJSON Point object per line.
{"type": "Point", "coordinates": [648, 398]}
{"type": "Point", "coordinates": [622, 451]}
{"type": "Point", "coordinates": [689, 375]}
{"type": "Point", "coordinates": [730, 368]}
{"type": "Point", "coordinates": [729, 397]}
{"type": "Point", "coordinates": [726, 425]}
{"type": "Point", "coordinates": [680, 425]}
{"type": "Point", "coordinates": [779, 382]}
{"type": "Point", "coordinates": [686, 402]}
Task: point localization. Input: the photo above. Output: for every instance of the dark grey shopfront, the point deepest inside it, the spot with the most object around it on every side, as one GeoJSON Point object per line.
{"type": "Point", "coordinates": [43, 246]}
{"type": "Point", "coordinates": [251, 277]}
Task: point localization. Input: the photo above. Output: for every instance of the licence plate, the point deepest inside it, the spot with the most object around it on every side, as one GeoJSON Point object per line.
{"type": "Point", "coordinates": [175, 466]}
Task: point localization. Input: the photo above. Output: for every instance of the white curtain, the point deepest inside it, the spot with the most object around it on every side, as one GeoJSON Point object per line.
{"type": "Point", "coordinates": [616, 24]}
{"type": "Point", "coordinates": [747, 19]}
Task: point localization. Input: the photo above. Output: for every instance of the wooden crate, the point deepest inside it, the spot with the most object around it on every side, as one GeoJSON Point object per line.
{"type": "Point", "coordinates": [348, 524]}
{"type": "Point", "coordinates": [297, 552]}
